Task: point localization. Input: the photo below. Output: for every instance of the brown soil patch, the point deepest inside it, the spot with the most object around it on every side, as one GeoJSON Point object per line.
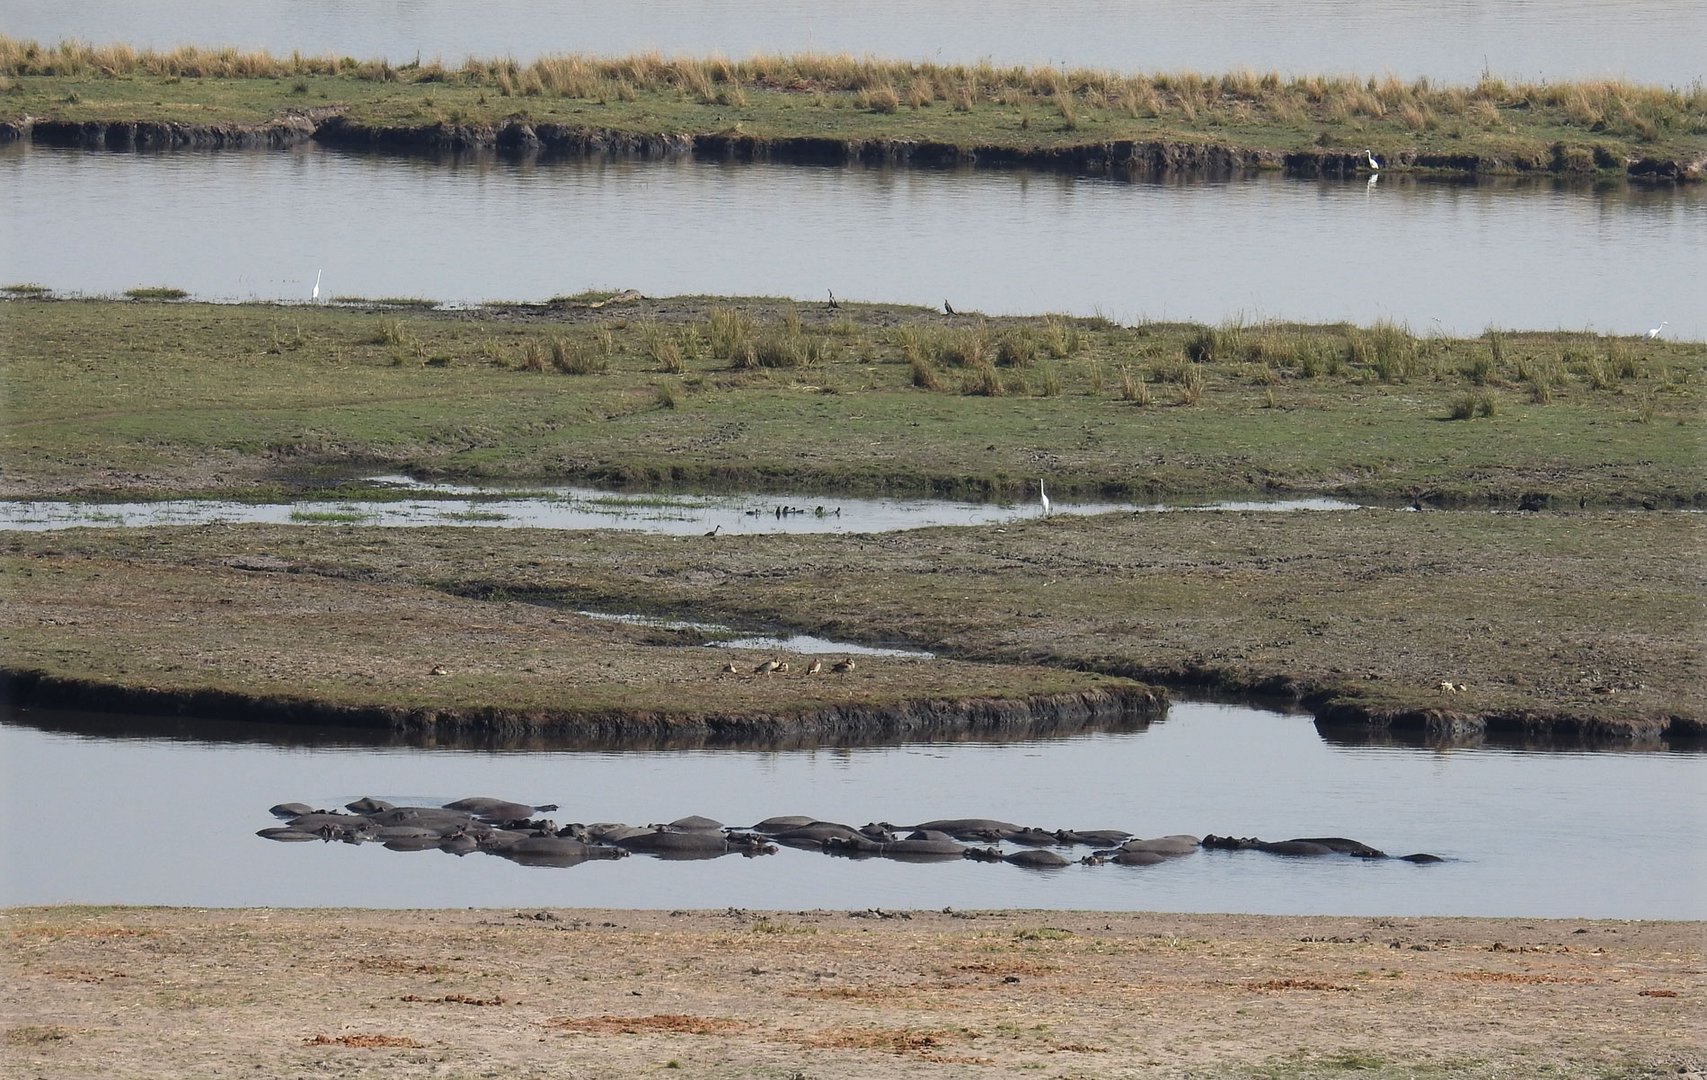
{"type": "Point", "coordinates": [455, 999]}
{"type": "Point", "coordinates": [366, 1042]}
{"type": "Point", "coordinates": [629, 1025]}
{"type": "Point", "coordinates": [234, 994]}
{"type": "Point", "coordinates": [1296, 984]}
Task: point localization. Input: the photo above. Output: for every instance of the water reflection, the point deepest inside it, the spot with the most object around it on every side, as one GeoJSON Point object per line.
{"type": "Point", "coordinates": [218, 732]}
{"type": "Point", "coordinates": [1441, 257]}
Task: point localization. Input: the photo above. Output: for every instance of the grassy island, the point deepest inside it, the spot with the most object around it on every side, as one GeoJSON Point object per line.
{"type": "Point", "coordinates": [1534, 575]}
{"type": "Point", "coordinates": [821, 107]}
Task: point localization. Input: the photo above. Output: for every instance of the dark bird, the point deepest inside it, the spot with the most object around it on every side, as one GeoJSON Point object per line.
{"type": "Point", "coordinates": [833, 301]}
{"type": "Point", "coordinates": [714, 529]}
{"type": "Point", "coordinates": [947, 308]}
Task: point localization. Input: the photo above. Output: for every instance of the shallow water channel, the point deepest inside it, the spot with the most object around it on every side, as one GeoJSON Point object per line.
{"type": "Point", "coordinates": [1456, 40]}
{"type": "Point", "coordinates": [591, 508]}
{"type": "Point", "coordinates": [1440, 257]}
{"type": "Point", "coordinates": [125, 810]}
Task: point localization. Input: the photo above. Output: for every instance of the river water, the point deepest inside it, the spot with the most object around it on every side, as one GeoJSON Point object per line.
{"type": "Point", "coordinates": [104, 810]}
{"type": "Point", "coordinates": [1449, 258]}
{"type": "Point", "coordinates": [1656, 41]}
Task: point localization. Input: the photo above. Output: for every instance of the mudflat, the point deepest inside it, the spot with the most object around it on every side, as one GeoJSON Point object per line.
{"type": "Point", "coordinates": [150, 992]}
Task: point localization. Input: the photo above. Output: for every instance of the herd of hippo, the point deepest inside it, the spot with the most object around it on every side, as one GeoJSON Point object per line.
{"type": "Point", "coordinates": [512, 830]}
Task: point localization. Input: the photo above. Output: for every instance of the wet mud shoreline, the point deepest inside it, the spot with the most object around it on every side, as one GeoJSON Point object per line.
{"type": "Point", "coordinates": [1121, 158]}
{"type": "Point", "coordinates": [1038, 716]}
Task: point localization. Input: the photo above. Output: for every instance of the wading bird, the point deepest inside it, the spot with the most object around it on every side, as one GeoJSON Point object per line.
{"type": "Point", "coordinates": [315, 295]}
{"type": "Point", "coordinates": [1043, 497]}
{"type": "Point", "coordinates": [1655, 332]}
{"type": "Point", "coordinates": [1373, 164]}
{"type": "Point", "coordinates": [713, 530]}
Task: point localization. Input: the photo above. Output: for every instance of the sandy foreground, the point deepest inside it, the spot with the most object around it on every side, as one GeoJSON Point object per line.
{"type": "Point", "coordinates": [158, 992]}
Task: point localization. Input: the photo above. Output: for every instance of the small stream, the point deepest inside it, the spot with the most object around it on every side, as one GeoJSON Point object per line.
{"type": "Point", "coordinates": [589, 508]}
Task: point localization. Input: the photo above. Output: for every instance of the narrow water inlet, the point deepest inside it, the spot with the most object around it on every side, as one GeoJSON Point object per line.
{"type": "Point", "coordinates": [574, 507]}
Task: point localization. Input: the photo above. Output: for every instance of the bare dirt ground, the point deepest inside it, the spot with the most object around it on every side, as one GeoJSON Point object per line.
{"type": "Point", "coordinates": [133, 993]}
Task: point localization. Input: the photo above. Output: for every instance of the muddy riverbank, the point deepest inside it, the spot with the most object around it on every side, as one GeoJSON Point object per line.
{"type": "Point", "coordinates": [141, 993]}
{"type": "Point", "coordinates": [1538, 623]}
{"type": "Point", "coordinates": [1135, 159]}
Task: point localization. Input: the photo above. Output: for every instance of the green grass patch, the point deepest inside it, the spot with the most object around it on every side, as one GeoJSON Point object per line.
{"type": "Point", "coordinates": [227, 399]}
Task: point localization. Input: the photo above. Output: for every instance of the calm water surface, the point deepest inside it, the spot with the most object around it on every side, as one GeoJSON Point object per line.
{"type": "Point", "coordinates": [1447, 258]}
{"type": "Point", "coordinates": [172, 821]}
{"type": "Point", "coordinates": [1647, 40]}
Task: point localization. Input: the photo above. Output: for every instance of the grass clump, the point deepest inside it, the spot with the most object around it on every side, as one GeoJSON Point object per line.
{"type": "Point", "coordinates": [156, 292]}
{"type": "Point", "coordinates": [578, 357]}
{"type": "Point", "coordinates": [26, 288]}
{"type": "Point", "coordinates": [1470, 406]}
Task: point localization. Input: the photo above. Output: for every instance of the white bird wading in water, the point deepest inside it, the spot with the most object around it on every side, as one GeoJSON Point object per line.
{"type": "Point", "coordinates": [1043, 497]}
{"type": "Point", "coordinates": [1373, 164]}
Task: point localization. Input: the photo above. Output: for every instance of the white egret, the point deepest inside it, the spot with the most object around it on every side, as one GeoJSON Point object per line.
{"type": "Point", "coordinates": [1655, 332]}
{"type": "Point", "coordinates": [1373, 164]}
{"type": "Point", "coordinates": [1043, 497]}
{"type": "Point", "coordinates": [315, 295]}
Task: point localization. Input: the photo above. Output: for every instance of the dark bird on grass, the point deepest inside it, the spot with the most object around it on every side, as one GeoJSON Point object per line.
{"type": "Point", "coordinates": [714, 529]}
{"type": "Point", "coordinates": [766, 667]}
{"type": "Point", "coordinates": [815, 667]}
{"type": "Point", "coordinates": [947, 308]}
{"type": "Point", "coordinates": [843, 666]}
{"type": "Point", "coordinates": [833, 301]}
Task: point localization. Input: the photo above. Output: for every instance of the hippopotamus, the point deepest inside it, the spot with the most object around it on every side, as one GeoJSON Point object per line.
{"type": "Point", "coordinates": [556, 851]}
{"type": "Point", "coordinates": [498, 811]}
{"type": "Point", "coordinates": [971, 828]}
{"type": "Point", "coordinates": [857, 844]}
{"type": "Point", "coordinates": [1036, 859]}
{"type": "Point", "coordinates": [386, 833]}
{"type": "Point", "coordinates": [367, 804]}
{"type": "Point", "coordinates": [460, 844]}
{"type": "Point", "coordinates": [696, 823]}
{"type": "Point", "coordinates": [1031, 838]}
{"type": "Point", "coordinates": [922, 850]}
{"type": "Point", "coordinates": [288, 834]}
{"type": "Point", "coordinates": [669, 844]}
{"type": "Point", "coordinates": [1310, 846]}
{"type": "Point", "coordinates": [1166, 846]}
{"type": "Point", "coordinates": [290, 810]}
{"type": "Point", "coordinates": [424, 817]}
{"type": "Point", "coordinates": [1133, 858]}
{"type": "Point", "coordinates": [427, 841]}
{"type": "Point", "coordinates": [1101, 838]}
{"type": "Point", "coordinates": [816, 834]}
{"type": "Point", "coordinates": [772, 825]}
